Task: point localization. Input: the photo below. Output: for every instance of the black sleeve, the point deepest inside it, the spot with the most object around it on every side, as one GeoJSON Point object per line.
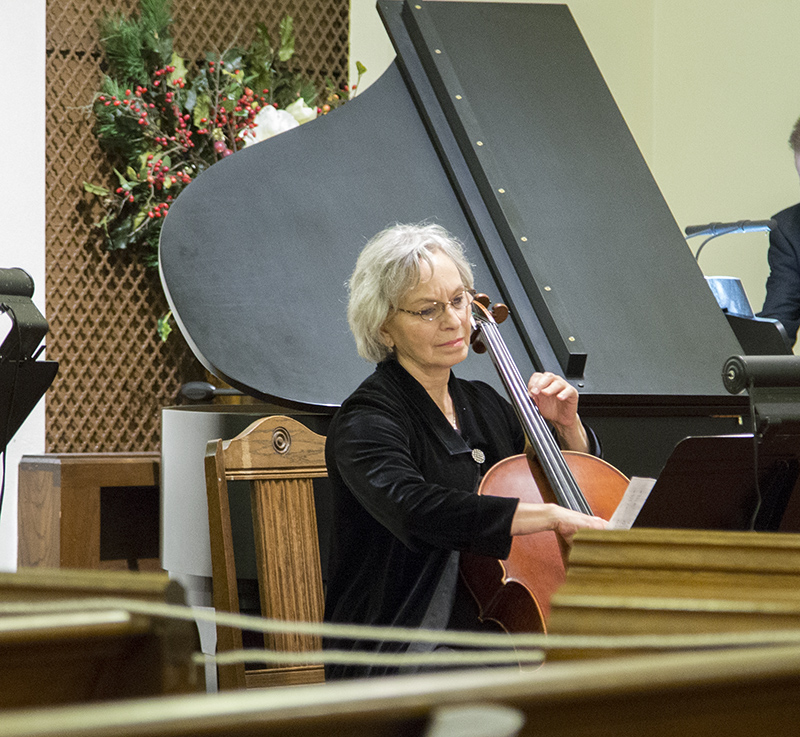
{"type": "Point", "coordinates": [372, 451]}
{"type": "Point", "coordinates": [783, 284]}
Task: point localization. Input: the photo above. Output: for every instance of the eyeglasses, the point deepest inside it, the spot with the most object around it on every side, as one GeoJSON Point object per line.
{"type": "Point", "coordinates": [435, 310]}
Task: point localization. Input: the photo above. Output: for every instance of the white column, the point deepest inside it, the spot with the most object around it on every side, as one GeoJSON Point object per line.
{"type": "Point", "coordinates": [22, 205]}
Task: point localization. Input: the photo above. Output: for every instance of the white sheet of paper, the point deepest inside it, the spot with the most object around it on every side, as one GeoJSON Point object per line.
{"type": "Point", "coordinates": [628, 509]}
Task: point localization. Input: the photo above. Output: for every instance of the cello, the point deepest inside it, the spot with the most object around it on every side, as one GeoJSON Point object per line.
{"type": "Point", "coordinates": [515, 594]}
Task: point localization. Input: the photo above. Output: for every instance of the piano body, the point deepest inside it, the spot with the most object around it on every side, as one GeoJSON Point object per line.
{"type": "Point", "coordinates": [495, 122]}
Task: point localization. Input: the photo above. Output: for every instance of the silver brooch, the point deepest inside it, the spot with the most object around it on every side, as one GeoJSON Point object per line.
{"type": "Point", "coordinates": [478, 455]}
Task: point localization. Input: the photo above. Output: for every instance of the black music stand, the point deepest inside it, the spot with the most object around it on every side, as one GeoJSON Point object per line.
{"type": "Point", "coordinates": [21, 387]}
{"type": "Point", "coordinates": [708, 483]}
{"type": "Point", "coordinates": [760, 336]}
{"type": "Point", "coordinates": [23, 379]}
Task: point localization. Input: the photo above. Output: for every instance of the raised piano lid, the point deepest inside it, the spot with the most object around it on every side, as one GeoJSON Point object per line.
{"type": "Point", "coordinates": [496, 123]}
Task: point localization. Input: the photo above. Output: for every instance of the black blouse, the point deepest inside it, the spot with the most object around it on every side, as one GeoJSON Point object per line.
{"type": "Point", "coordinates": [404, 486]}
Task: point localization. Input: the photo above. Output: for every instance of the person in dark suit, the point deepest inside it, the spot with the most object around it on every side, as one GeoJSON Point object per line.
{"type": "Point", "coordinates": [783, 284]}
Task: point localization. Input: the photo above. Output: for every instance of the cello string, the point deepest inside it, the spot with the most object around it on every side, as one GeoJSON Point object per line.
{"type": "Point", "coordinates": [532, 421]}
{"type": "Point", "coordinates": [544, 439]}
{"type": "Point", "coordinates": [528, 416]}
{"type": "Point", "coordinates": [553, 463]}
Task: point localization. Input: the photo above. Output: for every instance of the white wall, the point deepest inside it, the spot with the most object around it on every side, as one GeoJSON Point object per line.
{"type": "Point", "coordinates": [618, 32]}
{"type": "Point", "coordinates": [22, 137]}
{"type": "Point", "coordinates": [369, 43]}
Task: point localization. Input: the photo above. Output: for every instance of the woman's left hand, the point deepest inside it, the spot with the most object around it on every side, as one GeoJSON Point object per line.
{"type": "Point", "coordinates": [557, 400]}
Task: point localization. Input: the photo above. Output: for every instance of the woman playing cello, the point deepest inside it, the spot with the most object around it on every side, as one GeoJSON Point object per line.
{"type": "Point", "coordinates": [407, 450]}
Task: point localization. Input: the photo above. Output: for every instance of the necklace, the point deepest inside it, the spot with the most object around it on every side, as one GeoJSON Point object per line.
{"type": "Point", "coordinates": [454, 420]}
{"type": "Point", "coordinates": [449, 411]}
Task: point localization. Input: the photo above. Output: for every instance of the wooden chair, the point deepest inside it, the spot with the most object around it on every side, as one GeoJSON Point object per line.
{"type": "Point", "coordinates": [280, 457]}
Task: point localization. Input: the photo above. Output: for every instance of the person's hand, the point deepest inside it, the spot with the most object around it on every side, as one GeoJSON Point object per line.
{"type": "Point", "coordinates": [557, 400]}
{"type": "Point", "coordinates": [569, 522]}
{"type": "Point", "coordinates": [531, 517]}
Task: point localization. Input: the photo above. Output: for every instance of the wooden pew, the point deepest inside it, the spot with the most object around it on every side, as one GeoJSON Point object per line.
{"type": "Point", "coordinates": [50, 584]}
{"type": "Point", "coordinates": [737, 693]}
{"type": "Point", "coordinates": [67, 656]}
{"type": "Point", "coordinates": [676, 582]}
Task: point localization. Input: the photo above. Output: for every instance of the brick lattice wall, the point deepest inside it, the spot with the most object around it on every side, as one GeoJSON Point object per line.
{"type": "Point", "coordinates": [115, 374]}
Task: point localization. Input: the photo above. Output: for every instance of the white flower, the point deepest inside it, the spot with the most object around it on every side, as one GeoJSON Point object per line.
{"type": "Point", "coordinates": [269, 122]}
{"type": "Point", "coordinates": [301, 112]}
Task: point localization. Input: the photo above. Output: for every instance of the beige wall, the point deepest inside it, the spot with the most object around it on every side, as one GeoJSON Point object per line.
{"type": "Point", "coordinates": [710, 91]}
{"type": "Point", "coordinates": [727, 92]}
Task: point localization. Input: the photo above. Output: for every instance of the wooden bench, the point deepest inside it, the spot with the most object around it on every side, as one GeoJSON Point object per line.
{"type": "Point", "coordinates": [74, 656]}
{"type": "Point", "coordinates": [737, 693]}
{"type": "Point", "coordinates": [676, 582]}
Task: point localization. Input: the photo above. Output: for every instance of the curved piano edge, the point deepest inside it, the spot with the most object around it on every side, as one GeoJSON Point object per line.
{"type": "Point", "coordinates": [192, 244]}
{"type": "Point", "coordinates": [255, 253]}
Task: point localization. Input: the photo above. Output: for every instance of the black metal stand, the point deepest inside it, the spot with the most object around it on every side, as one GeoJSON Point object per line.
{"type": "Point", "coordinates": [22, 385]}
{"type": "Point", "coordinates": [709, 483]}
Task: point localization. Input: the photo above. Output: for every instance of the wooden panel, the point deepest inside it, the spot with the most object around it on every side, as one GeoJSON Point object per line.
{"type": "Point", "coordinates": [223, 563]}
{"type": "Point", "coordinates": [39, 515]}
{"type": "Point", "coordinates": [283, 448]}
{"type": "Point", "coordinates": [59, 508]}
{"type": "Point", "coordinates": [287, 550]}
{"type": "Point", "coordinates": [687, 550]}
{"type": "Point", "coordinates": [644, 581]}
{"type": "Point", "coordinates": [49, 584]}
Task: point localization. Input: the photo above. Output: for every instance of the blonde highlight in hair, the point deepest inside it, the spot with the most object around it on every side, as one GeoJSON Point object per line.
{"type": "Point", "coordinates": [387, 269]}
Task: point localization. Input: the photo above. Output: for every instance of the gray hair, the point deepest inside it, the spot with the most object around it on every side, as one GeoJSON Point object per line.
{"type": "Point", "coordinates": [386, 270]}
{"type": "Point", "coordinates": [794, 138]}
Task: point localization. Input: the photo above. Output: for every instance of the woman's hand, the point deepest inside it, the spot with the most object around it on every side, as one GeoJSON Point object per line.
{"type": "Point", "coordinates": [557, 400]}
{"type": "Point", "coordinates": [530, 518]}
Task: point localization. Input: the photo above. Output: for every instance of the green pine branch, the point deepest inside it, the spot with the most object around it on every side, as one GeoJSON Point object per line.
{"type": "Point", "coordinates": [164, 124]}
{"type": "Point", "coordinates": [137, 45]}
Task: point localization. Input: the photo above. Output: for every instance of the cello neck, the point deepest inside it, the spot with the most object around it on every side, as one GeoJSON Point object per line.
{"type": "Point", "coordinates": [563, 484]}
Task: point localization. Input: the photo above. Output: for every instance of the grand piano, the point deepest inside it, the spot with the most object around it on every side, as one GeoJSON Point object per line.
{"type": "Point", "coordinates": [494, 121]}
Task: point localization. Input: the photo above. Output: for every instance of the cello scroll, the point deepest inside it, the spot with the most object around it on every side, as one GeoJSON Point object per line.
{"type": "Point", "coordinates": [499, 313]}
